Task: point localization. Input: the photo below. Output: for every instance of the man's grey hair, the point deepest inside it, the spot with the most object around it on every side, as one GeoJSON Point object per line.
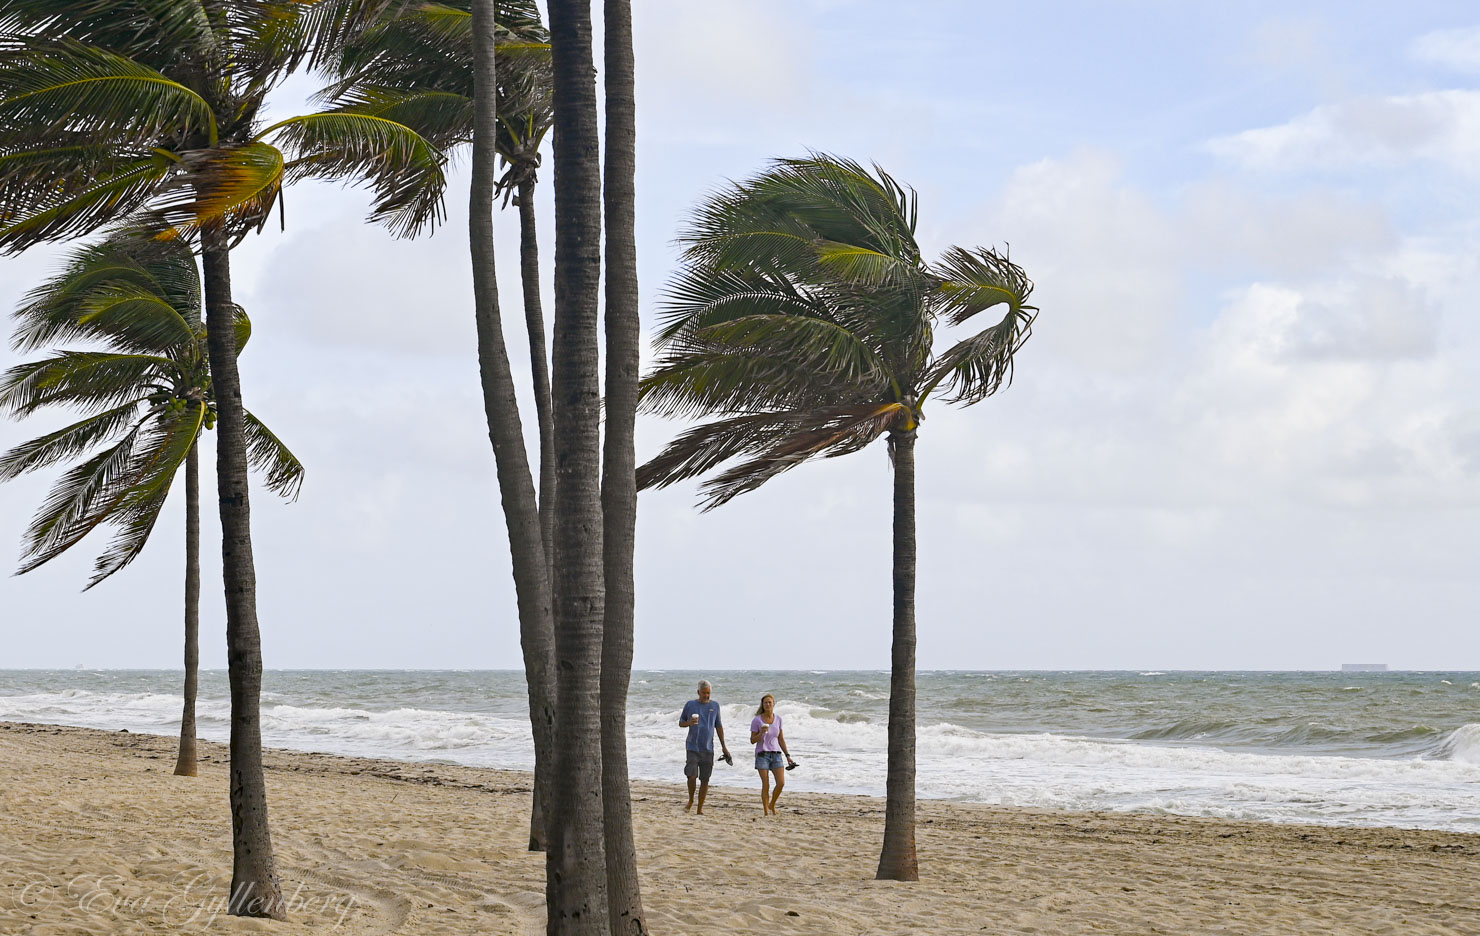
{"type": "Point", "coordinates": [704, 684]}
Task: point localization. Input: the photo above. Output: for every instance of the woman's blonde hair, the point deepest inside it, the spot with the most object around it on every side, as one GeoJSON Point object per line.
{"type": "Point", "coordinates": [762, 709]}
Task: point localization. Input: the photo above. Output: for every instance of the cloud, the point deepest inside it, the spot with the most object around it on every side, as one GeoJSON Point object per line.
{"type": "Point", "coordinates": [1464, 435]}
{"type": "Point", "coordinates": [747, 70]}
{"type": "Point", "coordinates": [1435, 126]}
{"type": "Point", "coordinates": [336, 283]}
{"type": "Point", "coordinates": [1298, 50]}
{"type": "Point", "coordinates": [1458, 49]}
{"type": "Point", "coordinates": [1113, 265]}
{"type": "Point", "coordinates": [1214, 349]}
{"type": "Point", "coordinates": [1098, 248]}
{"type": "Point", "coordinates": [1229, 226]}
{"type": "Point", "coordinates": [1329, 393]}
{"type": "Point", "coordinates": [1364, 318]}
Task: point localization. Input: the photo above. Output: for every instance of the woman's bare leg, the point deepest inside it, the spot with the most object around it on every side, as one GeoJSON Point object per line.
{"type": "Point", "coordinates": [765, 791]}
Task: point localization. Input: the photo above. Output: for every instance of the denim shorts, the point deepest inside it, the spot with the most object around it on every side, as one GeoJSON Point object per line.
{"type": "Point", "coordinates": [699, 764]}
{"type": "Point", "coordinates": [769, 760]}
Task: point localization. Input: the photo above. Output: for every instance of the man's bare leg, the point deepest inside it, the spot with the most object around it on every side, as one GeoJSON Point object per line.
{"type": "Point", "coordinates": [691, 796]}
{"type": "Point", "coordinates": [703, 792]}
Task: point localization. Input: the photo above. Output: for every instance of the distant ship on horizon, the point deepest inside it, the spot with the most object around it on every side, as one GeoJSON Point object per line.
{"type": "Point", "coordinates": [1364, 667]}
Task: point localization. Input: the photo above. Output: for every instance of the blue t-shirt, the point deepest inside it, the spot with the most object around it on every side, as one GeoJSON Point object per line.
{"type": "Point", "coordinates": [701, 736]}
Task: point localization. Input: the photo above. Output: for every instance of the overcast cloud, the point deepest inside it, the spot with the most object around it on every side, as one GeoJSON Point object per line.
{"type": "Point", "coordinates": [1245, 434]}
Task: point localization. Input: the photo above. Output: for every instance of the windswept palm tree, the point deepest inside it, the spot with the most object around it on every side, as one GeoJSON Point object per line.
{"type": "Point", "coordinates": [419, 65]}
{"type": "Point", "coordinates": [143, 386]}
{"type": "Point", "coordinates": [152, 110]}
{"type": "Point", "coordinates": [804, 317]}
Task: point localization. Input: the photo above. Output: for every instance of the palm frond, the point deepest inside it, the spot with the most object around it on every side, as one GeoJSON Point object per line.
{"type": "Point", "coordinates": [63, 87]}
{"type": "Point", "coordinates": [979, 366]}
{"type": "Point", "coordinates": [864, 267]}
{"type": "Point", "coordinates": [135, 319]}
{"type": "Point", "coordinates": [830, 352]}
{"type": "Point", "coordinates": [327, 27]}
{"type": "Point", "coordinates": [242, 325]}
{"type": "Point", "coordinates": [702, 448]}
{"type": "Point", "coordinates": [833, 433]}
{"type": "Point", "coordinates": [447, 23]}
{"type": "Point", "coordinates": [130, 291]}
{"type": "Point", "coordinates": [443, 118]}
{"type": "Point", "coordinates": [841, 202]}
{"type": "Point", "coordinates": [233, 186]}
{"type": "Point", "coordinates": [404, 169]}
{"type": "Point", "coordinates": [79, 502]}
{"type": "Point", "coordinates": [730, 234]}
{"type": "Point", "coordinates": [152, 474]}
{"type": "Point", "coordinates": [131, 27]}
{"type": "Point", "coordinates": [69, 442]}
{"type": "Point", "coordinates": [267, 454]}
{"type": "Point", "coordinates": [71, 209]}
{"type": "Point", "coordinates": [703, 296]}
{"type": "Point", "coordinates": [40, 175]}
{"type": "Point", "coordinates": [720, 383]}
{"type": "Point", "coordinates": [975, 280]}
{"type": "Point", "coordinates": [86, 380]}
{"type": "Point", "coordinates": [170, 269]}
{"type": "Point", "coordinates": [269, 39]}
{"type": "Point", "coordinates": [416, 46]}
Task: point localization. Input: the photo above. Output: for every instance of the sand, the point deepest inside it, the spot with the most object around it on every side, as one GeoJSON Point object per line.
{"type": "Point", "coordinates": [97, 836]}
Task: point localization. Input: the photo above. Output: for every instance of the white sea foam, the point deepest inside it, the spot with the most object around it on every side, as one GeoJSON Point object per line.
{"type": "Point", "coordinates": [1463, 744]}
{"type": "Point", "coordinates": [843, 749]}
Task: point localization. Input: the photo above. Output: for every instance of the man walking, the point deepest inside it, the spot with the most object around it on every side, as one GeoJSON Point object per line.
{"type": "Point", "coordinates": [701, 717]}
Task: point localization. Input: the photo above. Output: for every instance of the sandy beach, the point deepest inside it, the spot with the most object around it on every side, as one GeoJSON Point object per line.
{"type": "Point", "coordinates": [97, 836]}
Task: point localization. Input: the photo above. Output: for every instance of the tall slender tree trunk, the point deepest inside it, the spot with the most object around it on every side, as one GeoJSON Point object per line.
{"type": "Point", "coordinates": [539, 368]}
{"type": "Point", "coordinates": [897, 861]}
{"type": "Point", "coordinates": [254, 882]}
{"type": "Point", "coordinates": [539, 359]}
{"type": "Point", "coordinates": [576, 861]}
{"type": "Point", "coordinates": [185, 762]}
{"type": "Point", "coordinates": [501, 406]}
{"type": "Point", "coordinates": [619, 467]}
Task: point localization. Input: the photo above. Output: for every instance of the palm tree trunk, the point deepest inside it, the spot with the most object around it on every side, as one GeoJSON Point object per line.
{"type": "Point", "coordinates": [619, 477]}
{"type": "Point", "coordinates": [897, 861]}
{"type": "Point", "coordinates": [576, 861]}
{"type": "Point", "coordinates": [539, 368]}
{"type": "Point", "coordinates": [254, 883]}
{"type": "Point", "coordinates": [185, 762]}
{"type": "Point", "coordinates": [501, 408]}
{"type": "Point", "coordinates": [539, 362]}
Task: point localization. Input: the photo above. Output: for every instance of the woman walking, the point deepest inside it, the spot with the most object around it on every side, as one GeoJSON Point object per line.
{"type": "Point", "coordinates": [770, 747]}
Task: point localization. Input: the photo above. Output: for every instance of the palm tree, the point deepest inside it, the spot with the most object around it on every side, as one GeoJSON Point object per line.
{"type": "Point", "coordinates": [619, 466]}
{"type": "Point", "coordinates": [576, 859]}
{"type": "Point", "coordinates": [150, 109]}
{"type": "Point", "coordinates": [804, 317]}
{"type": "Point", "coordinates": [417, 66]}
{"type": "Point", "coordinates": [146, 397]}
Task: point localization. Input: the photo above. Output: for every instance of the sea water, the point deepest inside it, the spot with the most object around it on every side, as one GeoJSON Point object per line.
{"type": "Point", "coordinates": [1393, 749]}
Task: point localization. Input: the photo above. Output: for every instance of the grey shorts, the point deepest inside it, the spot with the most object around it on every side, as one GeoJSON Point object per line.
{"type": "Point", "coordinates": [699, 764]}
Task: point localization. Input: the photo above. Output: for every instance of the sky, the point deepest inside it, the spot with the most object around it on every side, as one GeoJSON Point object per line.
{"type": "Point", "coordinates": [1244, 435]}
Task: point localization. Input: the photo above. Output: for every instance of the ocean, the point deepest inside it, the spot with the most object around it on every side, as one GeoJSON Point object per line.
{"type": "Point", "coordinates": [1389, 749]}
